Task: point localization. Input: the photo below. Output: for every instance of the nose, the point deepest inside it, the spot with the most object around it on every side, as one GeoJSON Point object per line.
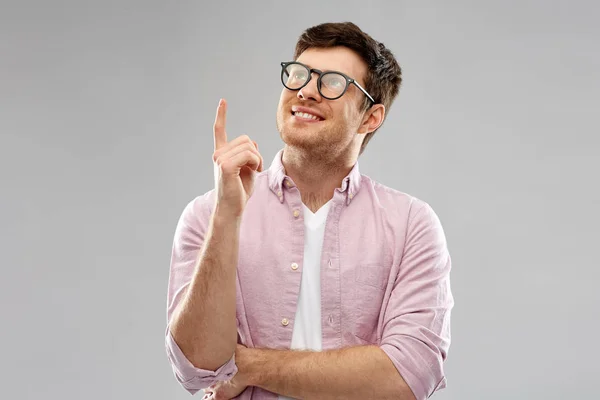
{"type": "Point", "coordinates": [310, 91]}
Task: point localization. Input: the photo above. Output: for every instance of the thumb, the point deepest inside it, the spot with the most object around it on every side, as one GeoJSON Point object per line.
{"type": "Point", "coordinates": [260, 167]}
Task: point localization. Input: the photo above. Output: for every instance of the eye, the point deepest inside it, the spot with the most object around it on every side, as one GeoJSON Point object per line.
{"type": "Point", "coordinates": [299, 74]}
{"type": "Point", "coordinates": [334, 81]}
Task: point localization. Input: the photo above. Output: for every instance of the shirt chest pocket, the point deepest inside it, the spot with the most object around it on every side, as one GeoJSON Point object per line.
{"type": "Point", "coordinates": [370, 283]}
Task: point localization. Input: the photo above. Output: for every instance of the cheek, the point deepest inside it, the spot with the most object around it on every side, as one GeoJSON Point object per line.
{"type": "Point", "coordinates": [286, 96]}
{"type": "Point", "coordinates": [347, 114]}
{"type": "Point", "coordinates": [284, 101]}
{"type": "Point", "coordinates": [281, 106]}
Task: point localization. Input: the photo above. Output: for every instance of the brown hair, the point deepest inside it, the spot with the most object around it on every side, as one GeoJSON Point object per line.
{"type": "Point", "coordinates": [384, 75]}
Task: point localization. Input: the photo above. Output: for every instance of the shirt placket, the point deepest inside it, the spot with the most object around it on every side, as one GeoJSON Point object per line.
{"type": "Point", "coordinates": [330, 278]}
{"type": "Point", "coordinates": [293, 263]}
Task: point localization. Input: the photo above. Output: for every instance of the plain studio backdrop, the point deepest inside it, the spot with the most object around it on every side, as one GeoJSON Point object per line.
{"type": "Point", "coordinates": [106, 113]}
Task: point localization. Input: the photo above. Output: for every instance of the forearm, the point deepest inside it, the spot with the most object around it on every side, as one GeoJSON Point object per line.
{"type": "Point", "coordinates": [350, 373]}
{"type": "Point", "coordinates": [204, 324]}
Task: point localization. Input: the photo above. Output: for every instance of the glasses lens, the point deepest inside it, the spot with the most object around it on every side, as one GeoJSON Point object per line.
{"type": "Point", "coordinates": [332, 84]}
{"type": "Point", "coordinates": [294, 76]}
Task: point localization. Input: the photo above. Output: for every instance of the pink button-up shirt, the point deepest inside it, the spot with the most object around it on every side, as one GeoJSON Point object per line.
{"type": "Point", "coordinates": [385, 277]}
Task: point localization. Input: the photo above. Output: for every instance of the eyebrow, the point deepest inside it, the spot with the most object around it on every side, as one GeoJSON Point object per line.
{"type": "Point", "coordinates": [323, 70]}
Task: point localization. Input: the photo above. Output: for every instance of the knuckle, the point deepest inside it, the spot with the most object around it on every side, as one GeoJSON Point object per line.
{"type": "Point", "coordinates": [225, 167]}
{"type": "Point", "coordinates": [252, 148]}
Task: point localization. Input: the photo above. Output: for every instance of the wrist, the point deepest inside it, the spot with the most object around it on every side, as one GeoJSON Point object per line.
{"type": "Point", "coordinates": [224, 219]}
{"type": "Point", "coordinates": [252, 363]}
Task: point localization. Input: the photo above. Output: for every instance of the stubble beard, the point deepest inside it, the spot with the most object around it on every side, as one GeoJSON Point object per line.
{"type": "Point", "coordinates": [321, 145]}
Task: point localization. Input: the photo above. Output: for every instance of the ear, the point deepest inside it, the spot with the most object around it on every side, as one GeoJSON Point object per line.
{"type": "Point", "coordinates": [372, 119]}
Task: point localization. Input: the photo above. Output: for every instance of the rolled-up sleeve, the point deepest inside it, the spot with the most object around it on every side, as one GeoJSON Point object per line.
{"type": "Point", "coordinates": [187, 243]}
{"type": "Point", "coordinates": [191, 378]}
{"type": "Point", "coordinates": [416, 327]}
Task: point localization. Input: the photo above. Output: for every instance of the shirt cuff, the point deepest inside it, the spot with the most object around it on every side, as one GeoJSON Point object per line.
{"type": "Point", "coordinates": [422, 381]}
{"type": "Point", "coordinates": [191, 378]}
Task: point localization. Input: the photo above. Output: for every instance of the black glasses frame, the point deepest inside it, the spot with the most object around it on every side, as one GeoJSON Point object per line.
{"type": "Point", "coordinates": [349, 80]}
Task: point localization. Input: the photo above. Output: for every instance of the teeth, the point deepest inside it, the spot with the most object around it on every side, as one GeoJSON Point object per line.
{"type": "Point", "coordinates": [305, 115]}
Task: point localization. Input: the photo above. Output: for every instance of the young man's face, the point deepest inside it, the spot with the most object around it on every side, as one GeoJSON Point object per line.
{"type": "Point", "coordinates": [340, 120]}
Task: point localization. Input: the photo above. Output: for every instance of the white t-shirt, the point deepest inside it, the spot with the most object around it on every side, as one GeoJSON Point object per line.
{"type": "Point", "coordinates": [307, 323]}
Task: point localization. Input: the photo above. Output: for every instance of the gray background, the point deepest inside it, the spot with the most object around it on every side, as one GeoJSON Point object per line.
{"type": "Point", "coordinates": [106, 112]}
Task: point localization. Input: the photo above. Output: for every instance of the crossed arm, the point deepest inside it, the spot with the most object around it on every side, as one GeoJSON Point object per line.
{"type": "Point", "coordinates": [408, 364]}
{"type": "Point", "coordinates": [361, 372]}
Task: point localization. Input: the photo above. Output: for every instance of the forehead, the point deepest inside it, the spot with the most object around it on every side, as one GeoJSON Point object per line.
{"type": "Point", "coordinates": [340, 59]}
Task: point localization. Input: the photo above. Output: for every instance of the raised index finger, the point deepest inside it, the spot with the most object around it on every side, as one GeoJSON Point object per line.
{"type": "Point", "coordinates": [219, 126]}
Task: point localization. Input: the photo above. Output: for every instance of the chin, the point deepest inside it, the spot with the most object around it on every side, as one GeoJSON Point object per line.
{"type": "Point", "coordinates": [300, 135]}
{"type": "Point", "coordinates": [296, 138]}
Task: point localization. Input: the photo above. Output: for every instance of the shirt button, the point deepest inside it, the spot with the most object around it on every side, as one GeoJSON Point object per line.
{"type": "Point", "coordinates": [285, 322]}
{"type": "Point", "coordinates": [351, 196]}
{"type": "Point", "coordinates": [294, 266]}
{"type": "Point", "coordinates": [296, 213]}
{"type": "Point", "coordinates": [279, 193]}
{"type": "Point", "coordinates": [288, 183]}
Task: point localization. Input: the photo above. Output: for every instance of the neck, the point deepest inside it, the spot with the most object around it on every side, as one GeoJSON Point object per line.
{"type": "Point", "coordinates": [316, 176]}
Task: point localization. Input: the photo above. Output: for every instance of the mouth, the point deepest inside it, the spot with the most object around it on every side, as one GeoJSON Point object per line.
{"type": "Point", "coordinates": [305, 117]}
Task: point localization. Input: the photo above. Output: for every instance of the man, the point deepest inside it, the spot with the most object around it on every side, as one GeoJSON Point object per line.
{"type": "Point", "coordinates": [310, 280]}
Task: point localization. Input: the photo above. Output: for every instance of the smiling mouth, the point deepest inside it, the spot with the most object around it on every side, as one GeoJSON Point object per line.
{"type": "Point", "coordinates": [306, 117]}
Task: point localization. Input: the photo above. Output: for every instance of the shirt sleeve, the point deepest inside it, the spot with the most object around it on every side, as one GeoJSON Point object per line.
{"type": "Point", "coordinates": [416, 328]}
{"type": "Point", "coordinates": [187, 243]}
{"type": "Point", "coordinates": [191, 378]}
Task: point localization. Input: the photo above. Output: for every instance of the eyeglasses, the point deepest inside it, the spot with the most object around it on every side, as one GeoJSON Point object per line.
{"type": "Point", "coordinates": [331, 85]}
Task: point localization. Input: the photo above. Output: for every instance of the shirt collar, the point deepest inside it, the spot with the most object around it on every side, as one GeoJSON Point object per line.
{"type": "Point", "coordinates": [278, 179]}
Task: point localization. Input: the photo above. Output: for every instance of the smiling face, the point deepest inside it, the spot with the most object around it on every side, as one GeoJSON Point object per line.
{"type": "Point", "coordinates": [308, 121]}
